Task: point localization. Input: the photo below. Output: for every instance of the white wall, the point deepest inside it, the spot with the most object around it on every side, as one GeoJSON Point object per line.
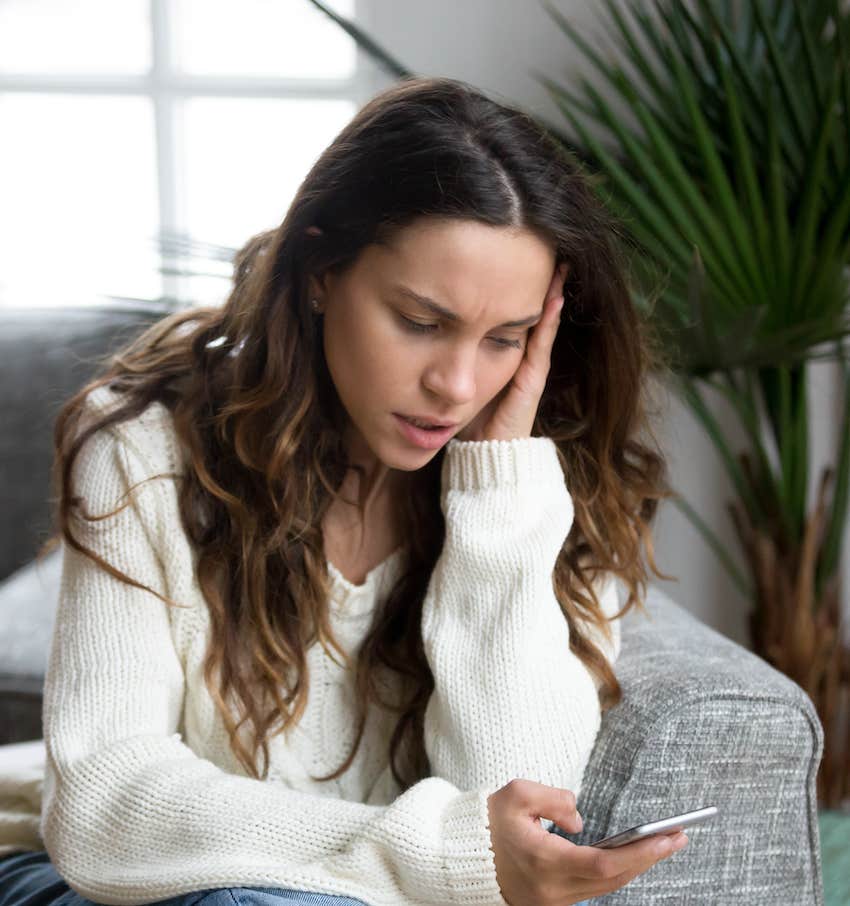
{"type": "Point", "coordinates": [495, 44]}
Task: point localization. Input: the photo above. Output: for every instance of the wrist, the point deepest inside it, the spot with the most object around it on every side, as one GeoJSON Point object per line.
{"type": "Point", "coordinates": [471, 465]}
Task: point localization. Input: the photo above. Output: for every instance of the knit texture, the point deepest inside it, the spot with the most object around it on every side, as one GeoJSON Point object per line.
{"type": "Point", "coordinates": [142, 797]}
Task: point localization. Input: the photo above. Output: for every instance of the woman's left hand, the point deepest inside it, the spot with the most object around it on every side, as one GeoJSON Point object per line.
{"type": "Point", "coordinates": [512, 412]}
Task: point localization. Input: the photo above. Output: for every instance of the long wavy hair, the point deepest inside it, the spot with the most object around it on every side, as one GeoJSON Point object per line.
{"type": "Point", "coordinates": [260, 423]}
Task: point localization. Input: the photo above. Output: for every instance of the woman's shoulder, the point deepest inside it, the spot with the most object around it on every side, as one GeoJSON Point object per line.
{"type": "Point", "coordinates": [150, 433]}
{"type": "Point", "coordinates": [133, 460]}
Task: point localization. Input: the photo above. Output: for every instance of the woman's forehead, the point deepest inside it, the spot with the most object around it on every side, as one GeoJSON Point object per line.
{"type": "Point", "coordinates": [465, 265]}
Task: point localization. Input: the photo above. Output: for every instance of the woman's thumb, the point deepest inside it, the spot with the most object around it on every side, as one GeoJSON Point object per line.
{"type": "Point", "coordinates": [559, 805]}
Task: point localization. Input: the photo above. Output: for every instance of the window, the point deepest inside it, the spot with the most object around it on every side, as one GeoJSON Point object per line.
{"type": "Point", "coordinates": [126, 123]}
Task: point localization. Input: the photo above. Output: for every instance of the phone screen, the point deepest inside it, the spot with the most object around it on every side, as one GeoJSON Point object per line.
{"type": "Point", "coordinates": [670, 825]}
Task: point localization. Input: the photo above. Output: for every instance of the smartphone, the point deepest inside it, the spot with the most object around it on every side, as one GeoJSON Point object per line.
{"type": "Point", "coordinates": [663, 826]}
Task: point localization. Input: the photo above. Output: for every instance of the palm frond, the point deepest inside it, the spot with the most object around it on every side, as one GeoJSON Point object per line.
{"type": "Point", "coordinates": [368, 44]}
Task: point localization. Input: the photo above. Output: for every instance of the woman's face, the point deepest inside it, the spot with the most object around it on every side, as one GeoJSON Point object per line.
{"type": "Point", "coordinates": [390, 355]}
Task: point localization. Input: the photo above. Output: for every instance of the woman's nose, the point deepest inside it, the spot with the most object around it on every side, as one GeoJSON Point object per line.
{"type": "Point", "coordinates": [452, 376]}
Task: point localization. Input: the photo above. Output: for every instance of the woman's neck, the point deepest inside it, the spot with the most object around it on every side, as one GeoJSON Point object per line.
{"type": "Point", "coordinates": [356, 541]}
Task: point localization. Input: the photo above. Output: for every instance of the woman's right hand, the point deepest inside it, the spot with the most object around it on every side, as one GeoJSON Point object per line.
{"type": "Point", "coordinates": [537, 868]}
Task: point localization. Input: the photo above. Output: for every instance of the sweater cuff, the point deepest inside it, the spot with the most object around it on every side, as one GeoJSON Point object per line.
{"type": "Point", "coordinates": [469, 863]}
{"type": "Point", "coordinates": [473, 465]}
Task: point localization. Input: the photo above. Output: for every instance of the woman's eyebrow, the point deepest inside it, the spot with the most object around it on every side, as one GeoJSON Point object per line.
{"type": "Point", "coordinates": [449, 315]}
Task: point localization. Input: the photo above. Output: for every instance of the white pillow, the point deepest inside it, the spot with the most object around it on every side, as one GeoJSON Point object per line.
{"type": "Point", "coordinates": [28, 600]}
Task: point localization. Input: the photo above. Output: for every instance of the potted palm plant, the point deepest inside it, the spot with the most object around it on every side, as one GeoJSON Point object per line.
{"type": "Point", "coordinates": [730, 169]}
{"type": "Point", "coordinates": [733, 178]}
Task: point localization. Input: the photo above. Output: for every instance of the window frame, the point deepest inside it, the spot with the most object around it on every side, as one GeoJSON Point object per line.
{"type": "Point", "coordinates": [167, 88]}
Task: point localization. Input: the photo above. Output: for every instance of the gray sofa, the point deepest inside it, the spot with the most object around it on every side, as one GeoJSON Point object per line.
{"type": "Point", "coordinates": [45, 356]}
{"type": "Point", "coordinates": [702, 721]}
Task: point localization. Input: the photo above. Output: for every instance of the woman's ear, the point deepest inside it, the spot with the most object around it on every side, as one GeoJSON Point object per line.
{"type": "Point", "coordinates": [316, 285]}
{"type": "Point", "coordinates": [319, 285]}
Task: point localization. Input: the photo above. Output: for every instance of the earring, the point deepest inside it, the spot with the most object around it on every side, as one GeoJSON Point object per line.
{"type": "Point", "coordinates": [314, 304]}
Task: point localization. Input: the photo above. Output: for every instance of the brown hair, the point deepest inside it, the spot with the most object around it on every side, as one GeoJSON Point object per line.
{"type": "Point", "coordinates": [260, 423]}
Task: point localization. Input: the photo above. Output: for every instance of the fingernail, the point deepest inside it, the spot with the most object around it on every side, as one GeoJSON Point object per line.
{"type": "Point", "coordinates": [681, 843]}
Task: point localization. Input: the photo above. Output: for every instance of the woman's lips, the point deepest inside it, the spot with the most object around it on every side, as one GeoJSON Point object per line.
{"type": "Point", "coordinates": [422, 437]}
{"type": "Point", "coordinates": [427, 420]}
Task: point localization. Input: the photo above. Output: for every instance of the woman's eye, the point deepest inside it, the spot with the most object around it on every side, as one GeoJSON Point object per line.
{"type": "Point", "coordinates": [417, 327]}
{"type": "Point", "coordinates": [507, 344]}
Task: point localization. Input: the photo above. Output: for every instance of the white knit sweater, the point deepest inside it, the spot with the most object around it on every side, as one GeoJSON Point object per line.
{"type": "Point", "coordinates": [142, 798]}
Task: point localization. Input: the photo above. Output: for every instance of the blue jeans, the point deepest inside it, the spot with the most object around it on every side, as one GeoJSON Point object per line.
{"type": "Point", "coordinates": [29, 879]}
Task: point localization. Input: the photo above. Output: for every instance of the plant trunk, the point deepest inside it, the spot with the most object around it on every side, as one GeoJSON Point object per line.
{"type": "Point", "coordinates": [800, 633]}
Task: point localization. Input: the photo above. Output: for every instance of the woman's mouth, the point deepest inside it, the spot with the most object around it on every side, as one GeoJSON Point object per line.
{"type": "Point", "coordinates": [420, 434]}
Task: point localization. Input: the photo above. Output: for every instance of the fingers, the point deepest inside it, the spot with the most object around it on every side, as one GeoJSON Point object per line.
{"type": "Point", "coordinates": [556, 287]}
{"type": "Point", "coordinates": [515, 408]}
{"type": "Point", "coordinates": [543, 336]}
{"type": "Point", "coordinates": [555, 803]}
{"type": "Point", "coordinates": [533, 370]}
{"type": "Point", "coordinates": [554, 296]}
{"type": "Point", "coordinates": [611, 865]}
{"type": "Point", "coordinates": [679, 841]}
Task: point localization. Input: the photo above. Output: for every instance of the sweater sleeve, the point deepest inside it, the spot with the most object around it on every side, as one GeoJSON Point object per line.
{"type": "Point", "coordinates": [510, 700]}
{"type": "Point", "coordinates": [131, 814]}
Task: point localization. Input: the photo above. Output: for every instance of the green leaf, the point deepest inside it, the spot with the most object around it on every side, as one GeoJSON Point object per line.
{"type": "Point", "coordinates": [793, 344]}
{"type": "Point", "coordinates": [666, 195]}
{"type": "Point", "coordinates": [717, 180]}
{"type": "Point", "coordinates": [776, 199]}
{"type": "Point", "coordinates": [702, 317]}
{"type": "Point", "coordinates": [844, 68]}
{"type": "Point", "coordinates": [672, 17]}
{"type": "Point", "coordinates": [815, 84]}
{"type": "Point", "coordinates": [717, 250]}
{"type": "Point", "coordinates": [650, 32]}
{"type": "Point", "coordinates": [715, 433]}
{"type": "Point", "coordinates": [749, 76]}
{"type": "Point", "coordinates": [783, 76]}
{"type": "Point", "coordinates": [638, 57]}
{"type": "Point", "coordinates": [745, 405]}
{"type": "Point", "coordinates": [737, 58]}
{"type": "Point", "coordinates": [370, 46]}
{"type": "Point", "coordinates": [746, 168]}
{"type": "Point", "coordinates": [837, 520]}
{"type": "Point", "coordinates": [633, 193]}
{"type": "Point", "coordinates": [570, 98]}
{"type": "Point", "coordinates": [608, 70]}
{"type": "Point", "coordinates": [834, 233]}
{"type": "Point", "coordinates": [804, 239]}
{"type": "Point", "coordinates": [743, 585]}
{"type": "Point", "coordinates": [784, 437]}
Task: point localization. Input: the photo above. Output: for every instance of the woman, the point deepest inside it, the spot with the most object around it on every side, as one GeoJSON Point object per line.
{"type": "Point", "coordinates": [370, 447]}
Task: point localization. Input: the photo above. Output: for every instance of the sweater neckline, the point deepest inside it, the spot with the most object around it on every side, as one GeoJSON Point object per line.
{"type": "Point", "coordinates": [346, 592]}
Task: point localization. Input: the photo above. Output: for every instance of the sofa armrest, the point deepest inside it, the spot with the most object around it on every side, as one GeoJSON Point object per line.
{"type": "Point", "coordinates": [703, 722]}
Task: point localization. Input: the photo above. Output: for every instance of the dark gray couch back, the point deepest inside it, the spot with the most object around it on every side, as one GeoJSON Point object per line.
{"type": "Point", "coordinates": [45, 356]}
